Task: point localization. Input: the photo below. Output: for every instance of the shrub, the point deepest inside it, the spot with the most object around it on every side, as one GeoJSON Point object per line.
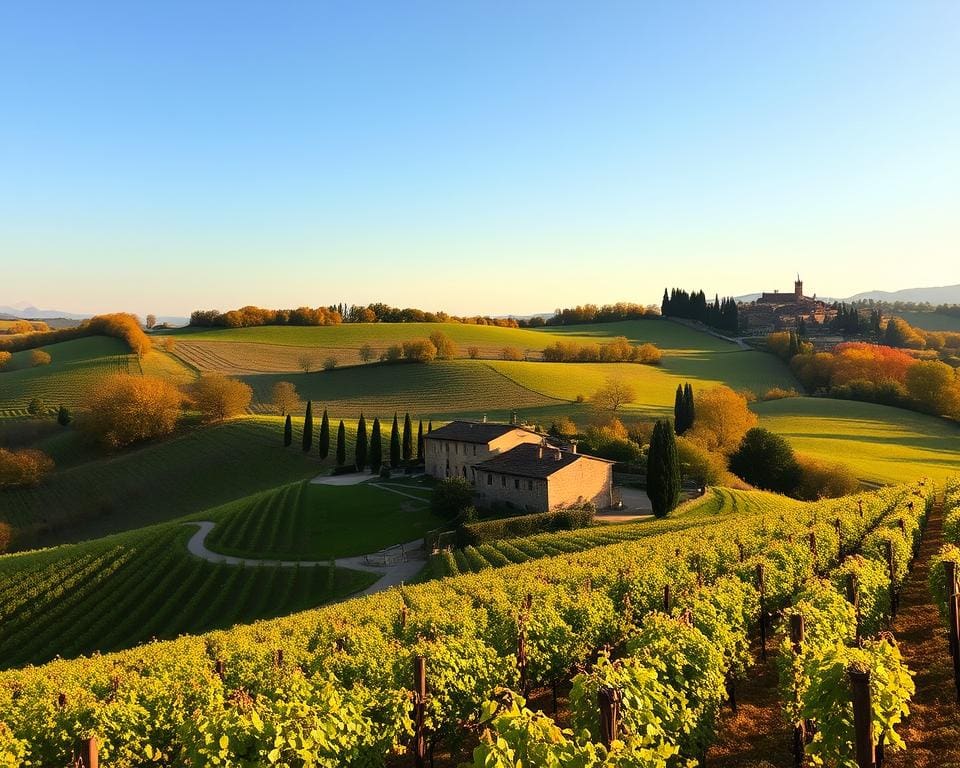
{"type": "Point", "coordinates": [565, 519]}
{"type": "Point", "coordinates": [37, 407]}
{"type": "Point", "coordinates": [305, 363]}
{"type": "Point", "coordinates": [613, 395]}
{"type": "Point", "coordinates": [24, 467]}
{"type": "Point", "coordinates": [63, 416]}
{"type": "Point", "coordinates": [766, 460]}
{"type": "Point", "coordinates": [329, 363]}
{"type": "Point", "coordinates": [444, 345]}
{"type": "Point", "coordinates": [6, 537]}
{"type": "Point", "coordinates": [473, 352]}
{"type": "Point", "coordinates": [125, 409]}
{"type": "Point", "coordinates": [39, 357]}
{"type": "Point", "coordinates": [384, 471]}
{"type": "Point", "coordinates": [699, 464]}
{"type": "Point", "coordinates": [648, 354]}
{"type": "Point", "coordinates": [779, 393]}
{"type": "Point", "coordinates": [218, 397]}
{"type": "Point", "coordinates": [511, 353]}
{"type": "Point", "coordinates": [168, 343]}
{"type": "Point", "coordinates": [451, 497]}
{"type": "Point", "coordinates": [419, 351]}
{"type": "Point", "coordinates": [825, 479]}
{"type": "Point", "coordinates": [392, 354]}
{"type": "Point", "coordinates": [366, 353]}
{"type": "Point", "coordinates": [4, 358]}
{"type": "Point", "coordinates": [284, 397]}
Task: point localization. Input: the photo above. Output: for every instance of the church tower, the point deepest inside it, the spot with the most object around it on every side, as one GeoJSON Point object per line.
{"type": "Point", "coordinates": [798, 290]}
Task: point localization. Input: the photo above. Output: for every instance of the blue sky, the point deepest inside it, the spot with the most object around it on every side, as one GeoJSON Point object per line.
{"type": "Point", "coordinates": [477, 157]}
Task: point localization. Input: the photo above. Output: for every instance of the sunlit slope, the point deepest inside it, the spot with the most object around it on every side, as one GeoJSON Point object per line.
{"type": "Point", "coordinates": [882, 444]}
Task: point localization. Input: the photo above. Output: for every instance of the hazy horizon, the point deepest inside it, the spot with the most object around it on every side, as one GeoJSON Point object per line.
{"type": "Point", "coordinates": [476, 158]}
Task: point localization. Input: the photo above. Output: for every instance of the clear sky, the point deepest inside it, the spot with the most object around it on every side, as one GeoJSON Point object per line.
{"type": "Point", "coordinates": [490, 157]}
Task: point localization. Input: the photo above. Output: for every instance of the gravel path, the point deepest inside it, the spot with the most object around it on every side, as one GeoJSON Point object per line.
{"type": "Point", "coordinates": [391, 575]}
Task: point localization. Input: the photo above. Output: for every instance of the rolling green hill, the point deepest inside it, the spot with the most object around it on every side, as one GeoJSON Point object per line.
{"type": "Point", "coordinates": [169, 479]}
{"type": "Point", "coordinates": [121, 590]}
{"type": "Point", "coordinates": [931, 321]}
{"type": "Point", "coordinates": [882, 444]}
{"type": "Point", "coordinates": [75, 367]}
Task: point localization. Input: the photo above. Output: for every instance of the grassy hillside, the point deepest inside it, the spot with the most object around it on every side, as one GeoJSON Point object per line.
{"type": "Point", "coordinates": [158, 482]}
{"type": "Point", "coordinates": [442, 388]}
{"type": "Point", "coordinates": [882, 444]}
{"type": "Point", "coordinates": [931, 321]}
{"type": "Point", "coordinates": [122, 590]}
{"type": "Point", "coordinates": [305, 521]}
{"type": "Point", "coordinates": [74, 369]}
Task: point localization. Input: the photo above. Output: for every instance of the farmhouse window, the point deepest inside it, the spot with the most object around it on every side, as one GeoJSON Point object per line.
{"type": "Point", "coordinates": [529, 485]}
{"type": "Point", "coordinates": [489, 479]}
{"type": "Point", "coordinates": [516, 483]}
{"type": "Point", "coordinates": [503, 481]}
{"type": "Point", "coordinates": [474, 450]}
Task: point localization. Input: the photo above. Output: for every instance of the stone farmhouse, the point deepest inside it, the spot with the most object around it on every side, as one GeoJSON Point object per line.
{"type": "Point", "coordinates": [517, 466]}
{"type": "Point", "coordinates": [783, 311]}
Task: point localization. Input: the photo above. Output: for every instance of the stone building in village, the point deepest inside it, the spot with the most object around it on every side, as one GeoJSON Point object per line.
{"type": "Point", "coordinates": [517, 466]}
{"type": "Point", "coordinates": [783, 311]}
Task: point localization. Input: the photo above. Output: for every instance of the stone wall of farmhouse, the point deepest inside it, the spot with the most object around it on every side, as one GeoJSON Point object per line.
{"type": "Point", "coordinates": [448, 458]}
{"type": "Point", "coordinates": [526, 494]}
{"type": "Point", "coordinates": [582, 481]}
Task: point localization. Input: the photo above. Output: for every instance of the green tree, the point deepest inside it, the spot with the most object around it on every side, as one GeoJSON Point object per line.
{"type": "Point", "coordinates": [663, 470]}
{"type": "Point", "coordinates": [679, 413]}
{"type": "Point", "coordinates": [361, 445]}
{"type": "Point", "coordinates": [451, 497]}
{"type": "Point", "coordinates": [689, 409]}
{"type": "Point", "coordinates": [341, 445]}
{"type": "Point", "coordinates": [308, 428]}
{"type": "Point", "coordinates": [287, 432]}
{"type": "Point", "coordinates": [324, 435]}
{"type": "Point", "coordinates": [376, 448]}
{"type": "Point", "coordinates": [63, 416]}
{"type": "Point", "coordinates": [767, 461]}
{"type": "Point", "coordinates": [430, 426]}
{"type": "Point", "coordinates": [420, 441]}
{"type": "Point", "coordinates": [407, 438]}
{"type": "Point", "coordinates": [395, 444]}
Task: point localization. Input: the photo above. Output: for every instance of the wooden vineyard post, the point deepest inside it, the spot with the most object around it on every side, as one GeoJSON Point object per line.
{"type": "Point", "coordinates": [403, 618]}
{"type": "Point", "coordinates": [853, 595]}
{"type": "Point", "coordinates": [419, 710]}
{"type": "Point", "coordinates": [813, 550]}
{"type": "Point", "coordinates": [666, 598]}
{"type": "Point", "coordinates": [278, 658]}
{"type": "Point", "coordinates": [763, 612]}
{"type": "Point", "coordinates": [609, 702]}
{"type": "Point", "coordinates": [862, 719]}
{"type": "Point", "coordinates": [522, 654]}
{"type": "Point", "coordinates": [740, 549]}
{"type": "Point", "coordinates": [220, 669]}
{"type": "Point", "coordinates": [860, 507]}
{"type": "Point", "coordinates": [797, 628]}
{"type": "Point", "coordinates": [953, 620]}
{"type": "Point", "coordinates": [839, 528]}
{"type": "Point", "coordinates": [88, 753]}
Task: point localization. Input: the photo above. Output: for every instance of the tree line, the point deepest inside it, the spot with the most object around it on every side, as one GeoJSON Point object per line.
{"type": "Point", "coordinates": [403, 448]}
{"type": "Point", "coordinates": [591, 313]}
{"type": "Point", "coordinates": [721, 314]}
{"type": "Point", "coordinates": [120, 325]}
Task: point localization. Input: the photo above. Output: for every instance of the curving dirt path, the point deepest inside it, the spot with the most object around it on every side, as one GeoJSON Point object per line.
{"type": "Point", "coordinates": [391, 575]}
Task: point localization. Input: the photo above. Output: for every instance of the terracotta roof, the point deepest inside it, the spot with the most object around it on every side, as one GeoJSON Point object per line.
{"type": "Point", "coordinates": [472, 431]}
{"type": "Point", "coordinates": [526, 460]}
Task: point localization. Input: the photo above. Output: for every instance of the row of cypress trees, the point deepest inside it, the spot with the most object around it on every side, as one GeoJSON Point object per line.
{"type": "Point", "coordinates": [367, 451]}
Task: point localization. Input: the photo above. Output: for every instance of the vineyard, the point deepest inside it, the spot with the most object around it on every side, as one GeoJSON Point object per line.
{"type": "Point", "coordinates": [158, 482]}
{"type": "Point", "coordinates": [122, 590]}
{"type": "Point", "coordinates": [650, 636]}
{"type": "Point", "coordinates": [305, 521]}
{"type": "Point", "coordinates": [75, 368]}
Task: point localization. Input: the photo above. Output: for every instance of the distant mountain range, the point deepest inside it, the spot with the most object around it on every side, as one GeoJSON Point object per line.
{"type": "Point", "coordinates": [27, 311]}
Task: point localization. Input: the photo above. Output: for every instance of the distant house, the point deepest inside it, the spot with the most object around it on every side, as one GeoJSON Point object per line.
{"type": "Point", "coordinates": [512, 465]}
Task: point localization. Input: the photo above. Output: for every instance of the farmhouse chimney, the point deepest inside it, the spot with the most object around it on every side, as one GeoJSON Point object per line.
{"type": "Point", "coordinates": [540, 451]}
{"type": "Point", "coordinates": [484, 418]}
{"type": "Point", "coordinates": [573, 446]}
{"type": "Point", "coordinates": [558, 455]}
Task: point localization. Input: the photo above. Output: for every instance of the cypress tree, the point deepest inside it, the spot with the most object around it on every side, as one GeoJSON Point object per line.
{"type": "Point", "coordinates": [663, 470]}
{"type": "Point", "coordinates": [308, 428]}
{"type": "Point", "coordinates": [679, 412]}
{"type": "Point", "coordinates": [395, 444]}
{"type": "Point", "coordinates": [341, 445]}
{"type": "Point", "coordinates": [361, 446]}
{"type": "Point", "coordinates": [287, 432]}
{"type": "Point", "coordinates": [63, 416]}
{"type": "Point", "coordinates": [430, 426]}
{"type": "Point", "coordinates": [407, 438]}
{"type": "Point", "coordinates": [376, 448]}
{"type": "Point", "coordinates": [665, 304]}
{"type": "Point", "coordinates": [420, 441]}
{"type": "Point", "coordinates": [324, 435]}
{"type": "Point", "coordinates": [690, 413]}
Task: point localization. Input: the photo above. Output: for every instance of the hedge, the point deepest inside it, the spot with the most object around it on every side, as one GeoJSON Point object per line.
{"type": "Point", "coordinates": [567, 519]}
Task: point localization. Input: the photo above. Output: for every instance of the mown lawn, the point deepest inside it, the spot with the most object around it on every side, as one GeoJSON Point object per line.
{"type": "Point", "coordinates": [881, 444]}
{"type": "Point", "coordinates": [307, 521]}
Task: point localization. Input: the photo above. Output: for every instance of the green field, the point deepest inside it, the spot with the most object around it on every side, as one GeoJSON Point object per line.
{"type": "Point", "coordinates": [158, 482]}
{"type": "Point", "coordinates": [115, 592]}
{"type": "Point", "coordinates": [881, 444]}
{"type": "Point", "coordinates": [75, 368]}
{"type": "Point", "coordinates": [305, 521]}
{"type": "Point", "coordinates": [931, 321]}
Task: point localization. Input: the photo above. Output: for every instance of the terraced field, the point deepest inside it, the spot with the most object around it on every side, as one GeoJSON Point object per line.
{"type": "Point", "coordinates": [158, 482]}
{"type": "Point", "coordinates": [75, 368]}
{"type": "Point", "coordinates": [696, 513]}
{"type": "Point", "coordinates": [305, 521]}
{"type": "Point", "coordinates": [882, 444]}
{"type": "Point", "coordinates": [122, 590]}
